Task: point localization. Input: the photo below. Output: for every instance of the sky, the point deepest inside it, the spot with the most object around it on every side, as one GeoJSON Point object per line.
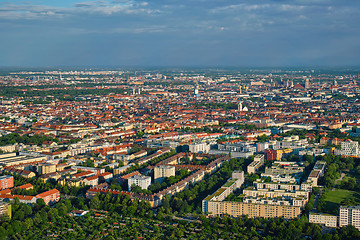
{"type": "Point", "coordinates": [214, 33]}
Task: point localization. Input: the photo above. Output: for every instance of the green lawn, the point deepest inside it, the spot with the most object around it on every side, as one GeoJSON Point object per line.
{"type": "Point", "coordinates": [334, 197]}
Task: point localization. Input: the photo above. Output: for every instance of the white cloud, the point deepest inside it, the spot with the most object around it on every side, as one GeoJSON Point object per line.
{"type": "Point", "coordinates": [121, 30]}
{"type": "Point", "coordinates": [28, 12]}
{"type": "Point", "coordinates": [288, 7]}
{"type": "Point", "coordinates": [239, 7]}
{"type": "Point", "coordinates": [31, 11]}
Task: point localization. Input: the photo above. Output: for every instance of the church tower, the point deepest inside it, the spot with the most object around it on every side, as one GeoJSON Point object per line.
{"type": "Point", "coordinates": [240, 107]}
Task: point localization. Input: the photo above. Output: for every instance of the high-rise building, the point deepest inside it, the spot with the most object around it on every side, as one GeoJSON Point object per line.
{"type": "Point", "coordinates": [350, 148]}
{"type": "Point", "coordinates": [199, 147]}
{"type": "Point", "coordinates": [307, 83]}
{"type": "Point", "coordinates": [270, 154]}
{"type": "Point", "coordinates": [349, 215]}
{"type": "Point", "coordinates": [6, 182]}
{"type": "Point", "coordinates": [5, 209]}
{"type": "Point", "coordinates": [256, 164]}
{"type": "Point", "coordinates": [163, 171]}
{"type": "Point", "coordinates": [262, 146]}
{"type": "Point", "coordinates": [46, 168]}
{"type": "Point", "coordinates": [139, 180]}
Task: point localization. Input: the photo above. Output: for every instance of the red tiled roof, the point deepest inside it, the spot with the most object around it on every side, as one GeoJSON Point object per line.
{"type": "Point", "coordinates": [104, 174]}
{"type": "Point", "coordinates": [130, 175]}
{"type": "Point", "coordinates": [47, 193]}
{"type": "Point", "coordinates": [92, 177]}
{"type": "Point", "coordinates": [25, 186]}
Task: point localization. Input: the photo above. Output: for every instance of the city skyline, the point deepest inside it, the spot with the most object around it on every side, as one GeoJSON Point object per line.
{"type": "Point", "coordinates": [173, 33]}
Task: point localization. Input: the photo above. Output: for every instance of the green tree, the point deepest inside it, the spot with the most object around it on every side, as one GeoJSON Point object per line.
{"type": "Point", "coordinates": [95, 203]}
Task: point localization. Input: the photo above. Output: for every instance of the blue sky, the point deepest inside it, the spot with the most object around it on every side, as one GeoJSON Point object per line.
{"type": "Point", "coordinates": [252, 33]}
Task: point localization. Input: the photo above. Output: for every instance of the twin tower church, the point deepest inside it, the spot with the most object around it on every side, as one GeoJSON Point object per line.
{"type": "Point", "coordinates": [241, 108]}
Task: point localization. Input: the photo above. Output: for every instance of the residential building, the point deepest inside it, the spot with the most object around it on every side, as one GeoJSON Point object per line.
{"type": "Point", "coordinates": [199, 147]}
{"type": "Point", "coordinates": [261, 147]}
{"type": "Point", "coordinates": [9, 148]}
{"type": "Point", "coordinates": [46, 168]}
{"type": "Point", "coordinates": [284, 172]}
{"type": "Point", "coordinates": [92, 181]}
{"type": "Point", "coordinates": [256, 164]}
{"type": "Point", "coordinates": [349, 215]}
{"type": "Point", "coordinates": [262, 184]}
{"type": "Point", "coordinates": [237, 209]}
{"type": "Point", "coordinates": [6, 181]}
{"type": "Point", "coordinates": [5, 210]}
{"type": "Point", "coordinates": [270, 154]}
{"type": "Point", "coordinates": [163, 171]}
{"type": "Point", "coordinates": [325, 219]}
{"type": "Point", "coordinates": [276, 197]}
{"type": "Point", "coordinates": [139, 180]}
{"type": "Point", "coordinates": [22, 198]}
{"type": "Point", "coordinates": [241, 149]}
{"type": "Point", "coordinates": [122, 169]}
{"type": "Point", "coordinates": [317, 172]}
{"type": "Point", "coordinates": [348, 148]}
{"type": "Point", "coordinates": [230, 186]}
{"type": "Point", "coordinates": [24, 173]}
{"type": "Point", "coordinates": [49, 197]}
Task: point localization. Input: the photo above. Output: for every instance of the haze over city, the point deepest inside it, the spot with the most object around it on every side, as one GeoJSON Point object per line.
{"type": "Point", "coordinates": [179, 33]}
{"type": "Point", "coordinates": [216, 119]}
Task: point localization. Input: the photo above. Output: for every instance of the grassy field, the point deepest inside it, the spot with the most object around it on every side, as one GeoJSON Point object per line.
{"type": "Point", "coordinates": [334, 197]}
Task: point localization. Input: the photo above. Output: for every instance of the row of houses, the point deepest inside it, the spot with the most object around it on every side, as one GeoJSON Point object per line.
{"type": "Point", "coordinates": [155, 199]}
{"type": "Point", "coordinates": [50, 197]}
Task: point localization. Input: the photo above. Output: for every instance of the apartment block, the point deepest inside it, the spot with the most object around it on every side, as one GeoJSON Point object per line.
{"type": "Point", "coordinates": [256, 164]}
{"type": "Point", "coordinates": [284, 172]}
{"type": "Point", "coordinates": [199, 148]}
{"type": "Point", "coordinates": [237, 209]}
{"type": "Point", "coordinates": [139, 180]}
{"type": "Point", "coordinates": [298, 198]}
{"type": "Point", "coordinates": [92, 181]}
{"type": "Point", "coordinates": [317, 172]}
{"type": "Point", "coordinates": [49, 197]}
{"type": "Point", "coordinates": [5, 209]}
{"type": "Point", "coordinates": [280, 200]}
{"type": "Point", "coordinates": [261, 184]}
{"type": "Point", "coordinates": [349, 215]}
{"type": "Point", "coordinates": [270, 154]}
{"type": "Point", "coordinates": [349, 148]}
{"type": "Point", "coordinates": [261, 147]}
{"type": "Point", "coordinates": [163, 171]}
{"type": "Point", "coordinates": [325, 219]}
{"type": "Point", "coordinates": [46, 168]}
{"type": "Point", "coordinates": [6, 181]}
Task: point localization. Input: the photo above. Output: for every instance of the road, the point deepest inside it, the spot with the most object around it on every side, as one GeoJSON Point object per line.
{"type": "Point", "coordinates": [317, 196]}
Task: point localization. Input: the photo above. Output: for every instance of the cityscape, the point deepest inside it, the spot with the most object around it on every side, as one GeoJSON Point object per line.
{"type": "Point", "coordinates": [131, 119]}
{"type": "Point", "coordinates": [180, 150]}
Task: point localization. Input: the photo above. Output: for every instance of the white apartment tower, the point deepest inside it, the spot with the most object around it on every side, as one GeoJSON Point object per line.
{"type": "Point", "coordinates": [350, 148]}
{"type": "Point", "coordinates": [349, 215]}
{"type": "Point", "coordinates": [139, 180]}
{"type": "Point", "coordinates": [199, 148]}
{"type": "Point", "coordinates": [163, 171]}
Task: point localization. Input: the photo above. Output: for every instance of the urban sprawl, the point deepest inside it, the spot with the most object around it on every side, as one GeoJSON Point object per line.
{"type": "Point", "coordinates": [188, 146]}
